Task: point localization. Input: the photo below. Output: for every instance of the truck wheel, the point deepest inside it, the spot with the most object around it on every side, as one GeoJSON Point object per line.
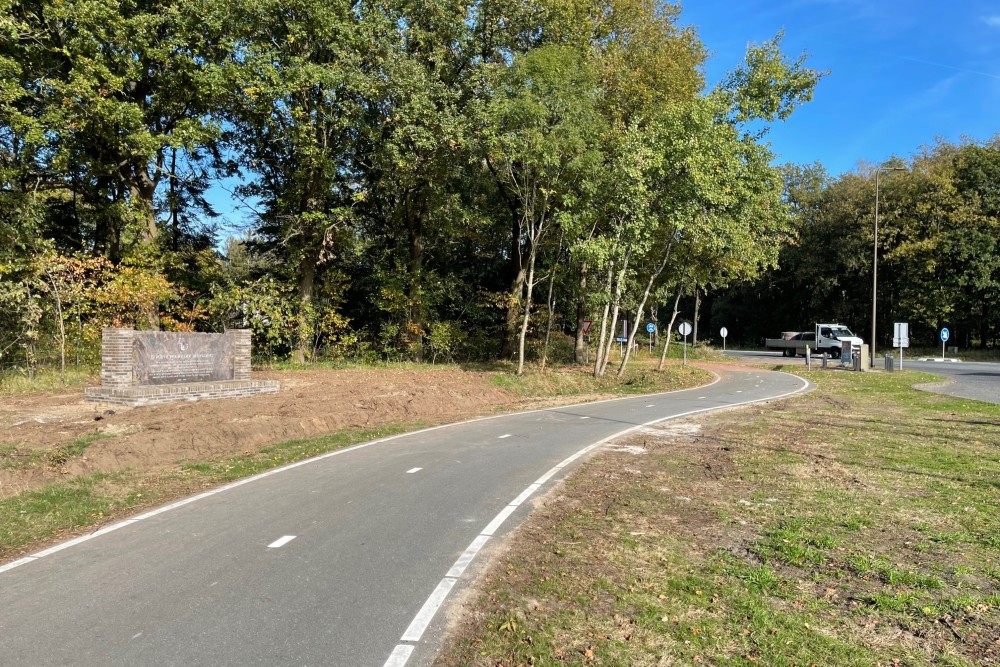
{"type": "Point", "coordinates": [835, 352]}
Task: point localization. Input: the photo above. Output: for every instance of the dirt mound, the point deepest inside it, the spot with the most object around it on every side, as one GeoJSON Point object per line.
{"type": "Point", "coordinates": [310, 402]}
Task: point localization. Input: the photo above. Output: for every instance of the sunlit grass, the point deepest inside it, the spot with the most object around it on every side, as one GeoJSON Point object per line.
{"type": "Point", "coordinates": [855, 525]}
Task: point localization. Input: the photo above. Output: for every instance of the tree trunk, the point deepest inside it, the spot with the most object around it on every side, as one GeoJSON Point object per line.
{"type": "Point", "coordinates": [580, 346]}
{"type": "Point", "coordinates": [550, 304]}
{"type": "Point", "coordinates": [670, 327]}
{"type": "Point", "coordinates": [654, 316]}
{"type": "Point", "coordinates": [697, 312]}
{"type": "Point", "coordinates": [599, 350]}
{"type": "Point", "coordinates": [62, 329]}
{"type": "Point", "coordinates": [530, 285]}
{"type": "Point", "coordinates": [615, 310]}
{"type": "Point", "coordinates": [641, 307]}
{"type": "Point", "coordinates": [173, 203]}
{"type": "Point", "coordinates": [415, 268]}
{"type": "Point", "coordinates": [548, 326]}
{"type": "Point", "coordinates": [307, 279]}
{"type": "Point", "coordinates": [142, 189]}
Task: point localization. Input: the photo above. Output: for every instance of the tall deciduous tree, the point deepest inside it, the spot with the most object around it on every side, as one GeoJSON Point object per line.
{"type": "Point", "coordinates": [105, 92]}
{"type": "Point", "coordinates": [541, 148]}
{"type": "Point", "coordinates": [297, 109]}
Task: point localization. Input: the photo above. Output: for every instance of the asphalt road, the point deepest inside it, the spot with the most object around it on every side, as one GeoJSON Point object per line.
{"type": "Point", "coordinates": [967, 379]}
{"type": "Point", "coordinates": [347, 559]}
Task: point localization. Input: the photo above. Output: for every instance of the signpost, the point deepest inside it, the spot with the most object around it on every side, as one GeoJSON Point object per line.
{"type": "Point", "coordinates": [650, 329]}
{"type": "Point", "coordinates": [724, 332]}
{"type": "Point", "coordinates": [621, 340]}
{"type": "Point", "coordinates": [945, 335]}
{"type": "Point", "coordinates": [901, 338]}
{"type": "Point", "coordinates": [685, 329]}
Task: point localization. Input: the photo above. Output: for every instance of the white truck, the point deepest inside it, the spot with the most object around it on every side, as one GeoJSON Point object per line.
{"type": "Point", "coordinates": [831, 338]}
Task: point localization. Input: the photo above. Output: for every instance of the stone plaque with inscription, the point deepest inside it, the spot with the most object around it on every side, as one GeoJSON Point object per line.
{"type": "Point", "coordinates": [169, 358]}
{"type": "Point", "coordinates": [148, 367]}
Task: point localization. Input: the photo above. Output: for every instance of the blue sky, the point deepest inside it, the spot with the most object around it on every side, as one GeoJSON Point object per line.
{"type": "Point", "coordinates": [901, 74]}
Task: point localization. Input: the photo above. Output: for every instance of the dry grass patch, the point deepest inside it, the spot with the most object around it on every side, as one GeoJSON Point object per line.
{"type": "Point", "coordinates": [857, 525]}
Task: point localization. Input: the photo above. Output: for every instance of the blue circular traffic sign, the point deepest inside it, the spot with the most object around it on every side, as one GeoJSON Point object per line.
{"type": "Point", "coordinates": [945, 334]}
{"type": "Point", "coordinates": [650, 327]}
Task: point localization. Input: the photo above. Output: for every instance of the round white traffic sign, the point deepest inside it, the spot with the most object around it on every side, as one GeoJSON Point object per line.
{"type": "Point", "coordinates": [685, 328]}
{"type": "Point", "coordinates": [945, 334]}
{"type": "Point", "coordinates": [724, 332]}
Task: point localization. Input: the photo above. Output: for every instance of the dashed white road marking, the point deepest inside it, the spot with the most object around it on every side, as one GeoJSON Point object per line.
{"type": "Point", "coordinates": [702, 398]}
{"type": "Point", "coordinates": [413, 470]}
{"type": "Point", "coordinates": [505, 435]}
{"type": "Point", "coordinates": [651, 405]}
{"type": "Point", "coordinates": [280, 542]}
{"type": "Point", "coordinates": [585, 417]}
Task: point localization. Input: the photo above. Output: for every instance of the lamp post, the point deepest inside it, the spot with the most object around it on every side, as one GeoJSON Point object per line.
{"type": "Point", "coordinates": [871, 360]}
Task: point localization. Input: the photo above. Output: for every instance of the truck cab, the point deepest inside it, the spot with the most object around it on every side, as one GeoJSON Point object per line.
{"type": "Point", "coordinates": [833, 337]}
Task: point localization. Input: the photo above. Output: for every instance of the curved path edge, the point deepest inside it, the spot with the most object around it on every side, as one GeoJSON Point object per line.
{"type": "Point", "coordinates": [347, 561]}
{"type": "Point", "coordinates": [437, 599]}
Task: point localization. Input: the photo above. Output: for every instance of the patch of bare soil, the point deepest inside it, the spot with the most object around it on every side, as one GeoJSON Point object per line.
{"type": "Point", "coordinates": [148, 439]}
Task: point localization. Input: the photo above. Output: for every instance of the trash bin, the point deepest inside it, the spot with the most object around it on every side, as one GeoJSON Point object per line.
{"type": "Point", "coordinates": [856, 361]}
{"type": "Point", "coordinates": [890, 362]}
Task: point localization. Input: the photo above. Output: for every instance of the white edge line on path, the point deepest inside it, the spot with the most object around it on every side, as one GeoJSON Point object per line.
{"type": "Point", "coordinates": [274, 471]}
{"type": "Point", "coordinates": [423, 618]}
{"type": "Point", "coordinates": [426, 613]}
{"type": "Point", "coordinates": [399, 656]}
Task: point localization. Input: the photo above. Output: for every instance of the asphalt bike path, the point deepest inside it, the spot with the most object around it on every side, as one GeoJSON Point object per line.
{"type": "Point", "coordinates": [346, 559]}
{"type": "Point", "coordinates": [976, 380]}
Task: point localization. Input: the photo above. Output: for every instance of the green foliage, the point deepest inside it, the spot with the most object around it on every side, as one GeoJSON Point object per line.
{"type": "Point", "coordinates": [445, 338]}
{"type": "Point", "coordinates": [939, 258]}
{"type": "Point", "coordinates": [265, 307]}
{"type": "Point", "coordinates": [414, 171]}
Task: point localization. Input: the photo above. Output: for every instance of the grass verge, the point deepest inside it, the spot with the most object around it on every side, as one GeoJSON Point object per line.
{"type": "Point", "coordinates": [56, 511]}
{"type": "Point", "coordinates": [15, 458]}
{"type": "Point", "coordinates": [562, 382]}
{"type": "Point", "coordinates": [17, 382]}
{"type": "Point", "coordinates": [856, 525]}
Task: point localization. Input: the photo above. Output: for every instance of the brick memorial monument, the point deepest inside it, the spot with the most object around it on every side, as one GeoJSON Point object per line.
{"type": "Point", "coordinates": [147, 367]}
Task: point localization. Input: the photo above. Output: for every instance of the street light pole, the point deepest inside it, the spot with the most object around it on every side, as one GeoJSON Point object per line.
{"type": "Point", "coordinates": [871, 348]}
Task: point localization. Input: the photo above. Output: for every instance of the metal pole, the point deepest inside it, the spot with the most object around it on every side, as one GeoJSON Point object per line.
{"type": "Point", "coordinates": [871, 348]}
{"type": "Point", "coordinates": [874, 273]}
